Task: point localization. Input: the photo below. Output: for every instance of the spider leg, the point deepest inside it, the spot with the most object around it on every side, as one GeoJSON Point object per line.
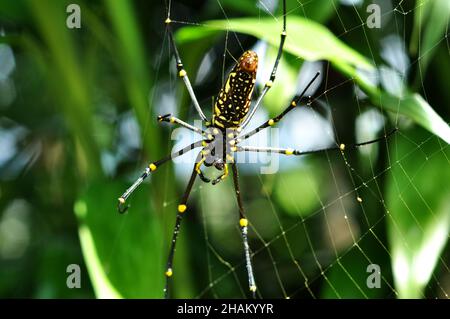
{"type": "Point", "coordinates": [291, 151]}
{"type": "Point", "coordinates": [198, 169]}
{"type": "Point", "coordinates": [203, 177]}
{"type": "Point", "coordinates": [243, 224]}
{"type": "Point", "coordinates": [172, 119]}
{"type": "Point", "coordinates": [269, 83]}
{"type": "Point", "coordinates": [182, 72]}
{"type": "Point", "coordinates": [221, 177]}
{"type": "Point", "coordinates": [122, 208]}
{"type": "Point", "coordinates": [181, 209]}
{"type": "Point", "coordinates": [276, 119]}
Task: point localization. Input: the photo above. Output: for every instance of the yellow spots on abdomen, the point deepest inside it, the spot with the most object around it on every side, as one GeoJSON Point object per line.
{"type": "Point", "coordinates": [228, 83]}
{"type": "Point", "coordinates": [233, 101]}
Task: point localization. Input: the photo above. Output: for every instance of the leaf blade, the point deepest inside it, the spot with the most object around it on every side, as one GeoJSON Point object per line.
{"type": "Point", "coordinates": [312, 41]}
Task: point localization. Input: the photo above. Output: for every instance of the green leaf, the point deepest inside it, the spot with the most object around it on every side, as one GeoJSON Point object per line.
{"type": "Point", "coordinates": [430, 21]}
{"type": "Point", "coordinates": [411, 105]}
{"type": "Point", "coordinates": [104, 289]}
{"type": "Point", "coordinates": [420, 14]}
{"type": "Point", "coordinates": [123, 253]}
{"type": "Point", "coordinates": [417, 109]}
{"type": "Point", "coordinates": [418, 199]}
{"type": "Point", "coordinates": [312, 41]}
{"type": "Point", "coordinates": [306, 39]}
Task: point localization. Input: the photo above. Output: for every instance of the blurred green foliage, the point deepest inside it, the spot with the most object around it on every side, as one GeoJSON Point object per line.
{"type": "Point", "coordinates": [77, 125]}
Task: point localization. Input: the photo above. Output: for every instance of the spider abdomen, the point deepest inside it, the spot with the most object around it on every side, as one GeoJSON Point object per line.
{"type": "Point", "coordinates": [234, 99]}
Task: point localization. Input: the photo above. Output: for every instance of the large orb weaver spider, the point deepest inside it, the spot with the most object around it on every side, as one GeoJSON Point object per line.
{"type": "Point", "coordinates": [222, 136]}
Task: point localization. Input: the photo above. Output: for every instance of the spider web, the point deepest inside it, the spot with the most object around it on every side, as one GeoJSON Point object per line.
{"type": "Point", "coordinates": [310, 251]}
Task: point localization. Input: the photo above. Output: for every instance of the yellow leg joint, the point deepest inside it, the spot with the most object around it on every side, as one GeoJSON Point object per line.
{"type": "Point", "coordinates": [199, 164]}
{"type": "Point", "coordinates": [121, 200]}
{"type": "Point", "coordinates": [342, 147]}
{"type": "Point", "coordinates": [225, 173]}
{"type": "Point", "coordinates": [182, 73]}
{"type": "Point", "coordinates": [169, 272]}
{"type": "Point", "coordinates": [168, 21]}
{"type": "Point", "coordinates": [293, 103]}
{"type": "Point", "coordinates": [289, 151]}
{"type": "Point", "coordinates": [152, 167]}
{"type": "Point", "coordinates": [182, 208]}
{"type": "Point", "coordinates": [271, 122]}
{"type": "Point", "coordinates": [243, 222]}
{"type": "Point", "coordinates": [253, 288]}
{"type": "Point", "coordinates": [269, 84]}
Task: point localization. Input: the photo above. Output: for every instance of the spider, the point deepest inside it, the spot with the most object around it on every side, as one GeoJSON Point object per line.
{"type": "Point", "coordinates": [223, 134]}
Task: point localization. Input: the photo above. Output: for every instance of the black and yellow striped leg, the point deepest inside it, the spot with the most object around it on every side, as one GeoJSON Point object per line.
{"type": "Point", "coordinates": [271, 80]}
{"type": "Point", "coordinates": [290, 151]}
{"type": "Point", "coordinates": [221, 177]}
{"type": "Point", "coordinates": [243, 224]}
{"type": "Point", "coordinates": [181, 209]}
{"type": "Point", "coordinates": [198, 169]}
{"type": "Point", "coordinates": [122, 208]}
{"type": "Point", "coordinates": [182, 72]}
{"type": "Point", "coordinates": [278, 118]}
{"type": "Point", "coordinates": [172, 119]}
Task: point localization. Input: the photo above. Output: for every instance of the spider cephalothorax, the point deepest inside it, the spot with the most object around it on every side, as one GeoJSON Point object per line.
{"type": "Point", "coordinates": [218, 149]}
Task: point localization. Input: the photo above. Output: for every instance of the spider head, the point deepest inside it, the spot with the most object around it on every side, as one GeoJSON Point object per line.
{"type": "Point", "coordinates": [249, 61]}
